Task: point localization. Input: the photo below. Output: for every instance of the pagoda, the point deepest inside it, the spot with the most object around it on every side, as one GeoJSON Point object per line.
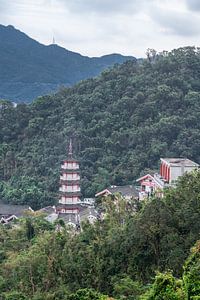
{"type": "Point", "coordinates": [70, 191]}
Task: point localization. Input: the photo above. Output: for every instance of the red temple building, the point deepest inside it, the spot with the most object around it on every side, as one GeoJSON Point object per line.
{"type": "Point", "coordinates": [70, 190]}
{"type": "Point", "coordinates": [170, 170]}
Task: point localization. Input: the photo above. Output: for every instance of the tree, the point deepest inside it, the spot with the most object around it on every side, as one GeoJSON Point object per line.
{"type": "Point", "coordinates": [165, 287]}
{"type": "Point", "coordinates": [191, 276]}
{"type": "Point", "coordinates": [126, 288]}
{"type": "Point", "coordinates": [30, 232]}
{"type": "Point", "coordinates": [87, 294]}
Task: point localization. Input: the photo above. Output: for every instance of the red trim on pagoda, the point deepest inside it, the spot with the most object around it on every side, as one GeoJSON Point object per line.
{"type": "Point", "coordinates": [70, 161]}
{"type": "Point", "coordinates": [69, 185]}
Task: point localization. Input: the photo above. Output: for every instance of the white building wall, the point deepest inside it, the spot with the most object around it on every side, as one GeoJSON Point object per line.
{"type": "Point", "coordinates": [71, 166]}
{"type": "Point", "coordinates": [70, 177]}
{"type": "Point", "coordinates": [68, 200]}
{"type": "Point", "coordinates": [148, 189]}
{"type": "Point", "coordinates": [177, 171]}
{"type": "Point", "coordinates": [69, 188]}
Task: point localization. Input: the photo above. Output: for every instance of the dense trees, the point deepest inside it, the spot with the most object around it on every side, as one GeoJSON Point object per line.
{"type": "Point", "coordinates": [117, 256]}
{"type": "Point", "coordinates": [121, 123]}
{"type": "Point", "coordinates": [191, 276]}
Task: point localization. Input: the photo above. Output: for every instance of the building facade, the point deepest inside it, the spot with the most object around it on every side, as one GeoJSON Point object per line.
{"type": "Point", "coordinates": [170, 170]}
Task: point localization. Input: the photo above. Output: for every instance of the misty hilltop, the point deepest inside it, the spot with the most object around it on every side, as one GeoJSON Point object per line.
{"type": "Point", "coordinates": [30, 69]}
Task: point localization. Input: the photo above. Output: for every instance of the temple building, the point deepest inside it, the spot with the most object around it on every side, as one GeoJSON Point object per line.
{"type": "Point", "coordinates": [128, 192]}
{"type": "Point", "coordinates": [170, 170]}
{"type": "Point", "coordinates": [70, 191]}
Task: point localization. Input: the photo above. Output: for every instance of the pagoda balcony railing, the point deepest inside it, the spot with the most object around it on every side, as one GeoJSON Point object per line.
{"type": "Point", "coordinates": [67, 171]}
{"type": "Point", "coordinates": [64, 167]}
{"type": "Point", "coordinates": [70, 178]}
{"type": "Point", "coordinates": [67, 202]}
{"type": "Point", "coordinates": [69, 190]}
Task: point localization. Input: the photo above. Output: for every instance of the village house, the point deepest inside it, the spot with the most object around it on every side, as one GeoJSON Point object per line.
{"type": "Point", "coordinates": [10, 212]}
{"type": "Point", "coordinates": [128, 192]}
{"type": "Point", "coordinates": [170, 170]}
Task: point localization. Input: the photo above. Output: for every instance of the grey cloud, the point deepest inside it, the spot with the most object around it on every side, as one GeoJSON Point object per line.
{"type": "Point", "coordinates": [172, 22]}
{"type": "Point", "coordinates": [193, 5]}
{"type": "Point", "coordinates": [4, 5]}
{"type": "Point", "coordinates": [5, 8]}
{"type": "Point", "coordinates": [104, 6]}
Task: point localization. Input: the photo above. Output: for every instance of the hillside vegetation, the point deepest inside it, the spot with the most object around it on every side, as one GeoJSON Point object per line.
{"type": "Point", "coordinates": [30, 69]}
{"type": "Point", "coordinates": [118, 256]}
{"type": "Point", "coordinates": [121, 123]}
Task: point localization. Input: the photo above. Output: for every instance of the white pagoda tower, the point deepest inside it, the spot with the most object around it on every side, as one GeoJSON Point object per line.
{"type": "Point", "coordinates": [70, 190]}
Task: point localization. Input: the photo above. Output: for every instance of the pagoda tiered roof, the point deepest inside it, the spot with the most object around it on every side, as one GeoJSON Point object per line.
{"type": "Point", "coordinates": [69, 160]}
{"type": "Point", "coordinates": [69, 171]}
{"type": "Point", "coordinates": [66, 190]}
{"type": "Point", "coordinates": [70, 182]}
{"type": "Point", "coordinates": [78, 194]}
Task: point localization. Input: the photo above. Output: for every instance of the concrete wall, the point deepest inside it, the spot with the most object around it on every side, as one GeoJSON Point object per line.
{"type": "Point", "coordinates": [177, 171]}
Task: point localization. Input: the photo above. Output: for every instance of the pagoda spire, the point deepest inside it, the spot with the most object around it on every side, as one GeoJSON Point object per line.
{"type": "Point", "coordinates": [70, 148]}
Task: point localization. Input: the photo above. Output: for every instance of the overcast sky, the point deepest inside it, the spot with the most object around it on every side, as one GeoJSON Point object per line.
{"type": "Point", "coordinates": [98, 27]}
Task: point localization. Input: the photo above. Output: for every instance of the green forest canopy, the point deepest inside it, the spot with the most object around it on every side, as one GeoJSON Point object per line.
{"type": "Point", "coordinates": [118, 256]}
{"type": "Point", "coordinates": [121, 123]}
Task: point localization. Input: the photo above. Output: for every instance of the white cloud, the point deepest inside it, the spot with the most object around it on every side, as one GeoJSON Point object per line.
{"type": "Point", "coordinates": [193, 4]}
{"type": "Point", "coordinates": [97, 27]}
{"type": "Point", "coordinates": [174, 22]}
{"type": "Point", "coordinates": [103, 6]}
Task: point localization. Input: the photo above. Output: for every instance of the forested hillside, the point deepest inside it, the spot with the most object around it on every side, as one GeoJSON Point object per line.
{"type": "Point", "coordinates": [30, 69]}
{"type": "Point", "coordinates": [118, 256]}
{"type": "Point", "coordinates": [121, 123]}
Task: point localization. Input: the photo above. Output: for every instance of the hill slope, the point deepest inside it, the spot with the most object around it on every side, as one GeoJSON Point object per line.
{"type": "Point", "coordinates": [30, 69]}
{"type": "Point", "coordinates": [121, 123]}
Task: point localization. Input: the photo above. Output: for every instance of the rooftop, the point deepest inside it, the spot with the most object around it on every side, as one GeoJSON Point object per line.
{"type": "Point", "coordinates": [180, 162]}
{"type": "Point", "coordinates": [84, 214]}
{"type": "Point", "coordinates": [48, 209]}
{"type": "Point", "coordinates": [125, 191]}
{"type": "Point", "coordinates": [10, 209]}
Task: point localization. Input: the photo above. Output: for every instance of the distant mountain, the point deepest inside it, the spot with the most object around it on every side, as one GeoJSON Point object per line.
{"type": "Point", "coordinates": [29, 69]}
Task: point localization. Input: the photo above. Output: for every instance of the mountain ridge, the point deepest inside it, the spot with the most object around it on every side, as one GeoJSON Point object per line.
{"type": "Point", "coordinates": [30, 69]}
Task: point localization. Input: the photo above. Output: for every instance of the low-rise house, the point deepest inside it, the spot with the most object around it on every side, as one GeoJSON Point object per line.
{"type": "Point", "coordinates": [85, 213]}
{"type": "Point", "coordinates": [128, 192]}
{"type": "Point", "coordinates": [10, 212]}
